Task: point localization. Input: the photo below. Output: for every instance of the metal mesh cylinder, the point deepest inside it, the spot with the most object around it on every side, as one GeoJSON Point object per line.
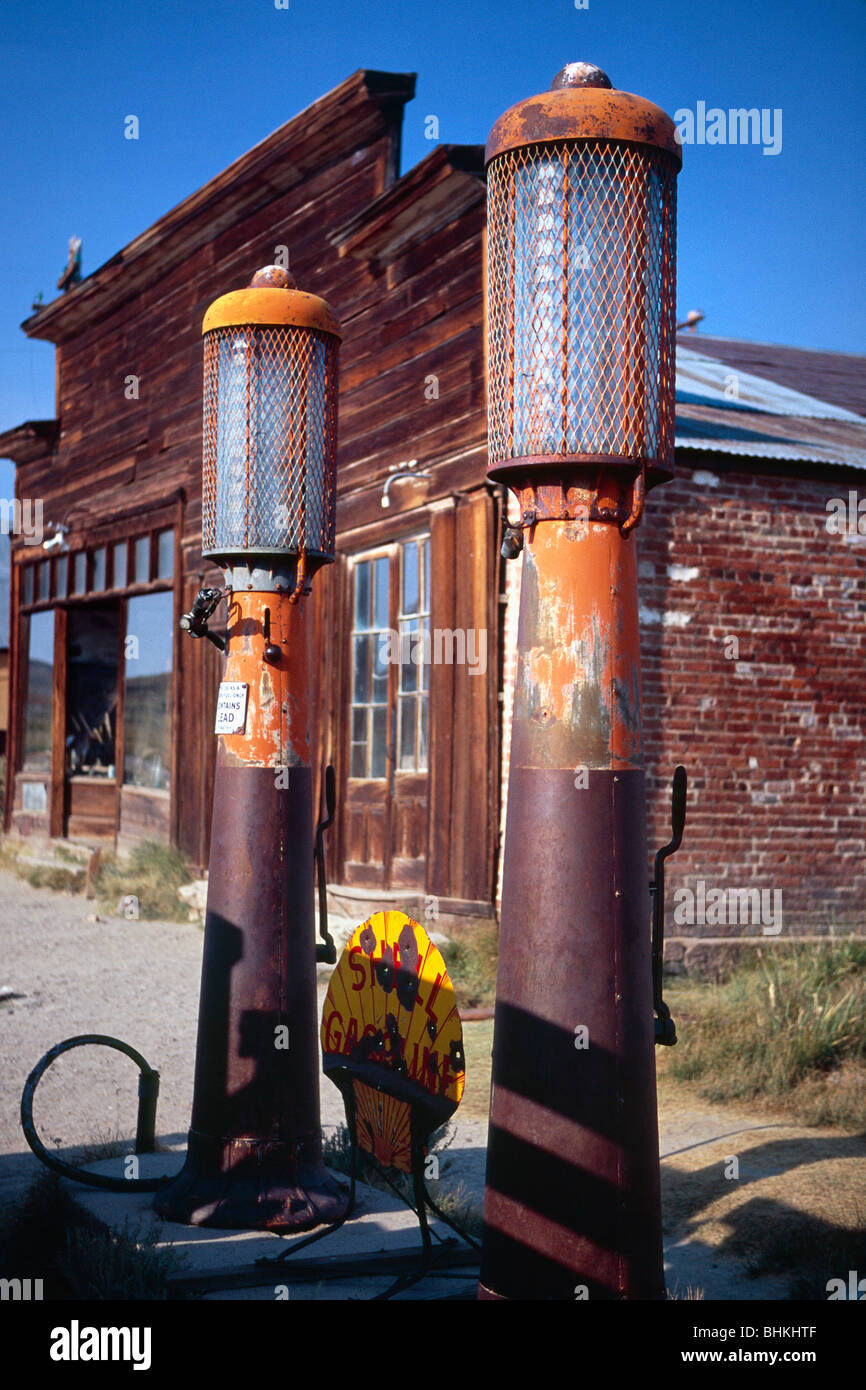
{"type": "Point", "coordinates": [581, 302]}
{"type": "Point", "coordinates": [270, 442]}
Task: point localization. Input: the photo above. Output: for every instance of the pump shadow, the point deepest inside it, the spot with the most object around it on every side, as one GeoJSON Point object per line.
{"type": "Point", "coordinates": [254, 1154]}
{"type": "Point", "coordinates": [564, 1196]}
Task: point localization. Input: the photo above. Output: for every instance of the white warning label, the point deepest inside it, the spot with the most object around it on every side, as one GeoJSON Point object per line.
{"type": "Point", "coordinates": [231, 713]}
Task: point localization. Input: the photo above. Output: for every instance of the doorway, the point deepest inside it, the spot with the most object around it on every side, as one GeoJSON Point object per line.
{"type": "Point", "coordinates": [90, 742]}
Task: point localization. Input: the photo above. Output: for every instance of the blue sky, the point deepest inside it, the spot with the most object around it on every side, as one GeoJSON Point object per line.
{"type": "Point", "coordinates": [770, 246]}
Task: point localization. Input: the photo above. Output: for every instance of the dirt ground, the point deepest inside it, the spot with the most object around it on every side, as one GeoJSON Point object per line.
{"type": "Point", "coordinates": [789, 1192]}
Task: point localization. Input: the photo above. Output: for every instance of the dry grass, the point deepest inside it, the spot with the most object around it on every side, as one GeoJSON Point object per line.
{"type": "Point", "coordinates": [152, 872]}
{"type": "Point", "coordinates": [478, 1047]}
{"type": "Point", "coordinates": [471, 955]}
{"type": "Point", "coordinates": [43, 1238]}
{"type": "Point", "coordinates": [787, 1030]}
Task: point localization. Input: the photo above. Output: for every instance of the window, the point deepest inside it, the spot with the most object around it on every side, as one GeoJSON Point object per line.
{"type": "Point", "coordinates": [406, 568]}
{"type": "Point", "coordinates": [142, 560]}
{"type": "Point", "coordinates": [44, 590]}
{"type": "Point", "coordinates": [147, 692]}
{"type": "Point", "coordinates": [28, 583]}
{"type": "Point", "coordinates": [61, 570]}
{"type": "Point", "coordinates": [369, 714]}
{"type": "Point", "coordinates": [414, 626]}
{"type": "Point", "coordinates": [40, 680]}
{"type": "Point", "coordinates": [100, 562]}
{"type": "Point", "coordinates": [92, 641]}
{"type": "Point", "coordinates": [79, 572]}
{"type": "Point", "coordinates": [118, 565]}
{"type": "Point", "coordinates": [165, 555]}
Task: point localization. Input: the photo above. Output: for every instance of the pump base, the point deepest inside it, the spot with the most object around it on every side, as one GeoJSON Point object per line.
{"type": "Point", "coordinates": [251, 1185]}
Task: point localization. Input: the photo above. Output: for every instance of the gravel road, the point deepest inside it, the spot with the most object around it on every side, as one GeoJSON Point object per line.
{"type": "Point", "coordinates": [138, 981]}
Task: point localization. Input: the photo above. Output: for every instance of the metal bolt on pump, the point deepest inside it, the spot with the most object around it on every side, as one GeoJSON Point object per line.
{"type": "Point", "coordinates": [254, 1158]}
{"type": "Point", "coordinates": [581, 276]}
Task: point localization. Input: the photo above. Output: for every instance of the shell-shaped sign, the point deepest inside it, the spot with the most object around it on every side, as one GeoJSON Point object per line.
{"type": "Point", "coordinates": [390, 1028]}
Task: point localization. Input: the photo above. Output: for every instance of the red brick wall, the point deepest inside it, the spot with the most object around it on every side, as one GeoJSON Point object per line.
{"type": "Point", "coordinates": [773, 741]}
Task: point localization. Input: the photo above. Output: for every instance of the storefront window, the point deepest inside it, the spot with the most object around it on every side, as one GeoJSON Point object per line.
{"type": "Point", "coordinates": [142, 560]}
{"type": "Point", "coordinates": [118, 563]}
{"type": "Point", "coordinates": [99, 567]}
{"type": "Point", "coordinates": [91, 690]}
{"type": "Point", "coordinates": [165, 555]}
{"type": "Point", "coordinates": [147, 696]}
{"type": "Point", "coordinates": [40, 678]}
{"type": "Point", "coordinates": [79, 572]}
{"type": "Point", "coordinates": [369, 713]}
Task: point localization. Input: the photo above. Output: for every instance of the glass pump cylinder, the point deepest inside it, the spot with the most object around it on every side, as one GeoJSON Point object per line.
{"type": "Point", "coordinates": [270, 425]}
{"type": "Point", "coordinates": [581, 280]}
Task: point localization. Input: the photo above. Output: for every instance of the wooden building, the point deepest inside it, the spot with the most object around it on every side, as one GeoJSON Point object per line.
{"type": "Point", "coordinates": [112, 739]}
{"type": "Point", "coordinates": [112, 708]}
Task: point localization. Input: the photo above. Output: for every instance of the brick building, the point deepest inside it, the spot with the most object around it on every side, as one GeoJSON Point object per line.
{"type": "Point", "coordinates": [752, 609]}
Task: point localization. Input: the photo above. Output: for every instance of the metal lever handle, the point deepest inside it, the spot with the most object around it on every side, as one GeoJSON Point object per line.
{"type": "Point", "coordinates": [326, 951]}
{"type": "Point", "coordinates": [195, 621]}
{"type": "Point", "coordinates": [678, 810]}
{"type": "Point", "coordinates": [665, 1028]}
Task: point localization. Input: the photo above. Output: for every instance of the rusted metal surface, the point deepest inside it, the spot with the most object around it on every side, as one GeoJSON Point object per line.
{"type": "Point", "coordinates": [569, 112]}
{"type": "Point", "coordinates": [606, 495]}
{"type": "Point", "coordinates": [276, 277]}
{"type": "Point", "coordinates": [572, 1189]}
{"type": "Point", "coordinates": [254, 1156]}
{"type": "Point", "coordinates": [272, 305]}
{"type": "Point", "coordinates": [577, 687]}
{"type": "Point", "coordinates": [580, 75]}
{"type": "Point", "coordinates": [581, 199]}
{"type": "Point", "coordinates": [276, 733]}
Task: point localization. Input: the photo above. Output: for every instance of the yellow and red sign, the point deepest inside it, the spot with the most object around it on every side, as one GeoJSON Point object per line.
{"type": "Point", "coordinates": [390, 1028]}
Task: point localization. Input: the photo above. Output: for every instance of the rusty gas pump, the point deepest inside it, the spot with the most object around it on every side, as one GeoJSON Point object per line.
{"type": "Point", "coordinates": [581, 275]}
{"type": "Point", "coordinates": [254, 1157]}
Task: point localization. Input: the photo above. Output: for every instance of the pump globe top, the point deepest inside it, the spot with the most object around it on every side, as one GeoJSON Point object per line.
{"type": "Point", "coordinates": [272, 300]}
{"type": "Point", "coordinates": [582, 104]}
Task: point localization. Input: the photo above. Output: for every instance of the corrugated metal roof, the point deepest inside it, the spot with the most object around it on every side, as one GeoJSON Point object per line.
{"type": "Point", "coordinates": [707, 381]}
{"type": "Point", "coordinates": [725, 410]}
{"type": "Point", "coordinates": [839, 377]}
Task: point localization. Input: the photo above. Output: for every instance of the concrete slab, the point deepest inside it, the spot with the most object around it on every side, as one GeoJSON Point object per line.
{"type": "Point", "coordinates": [381, 1225]}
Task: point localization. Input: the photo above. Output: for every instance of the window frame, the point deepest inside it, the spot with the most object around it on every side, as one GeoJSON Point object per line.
{"type": "Point", "coordinates": [424, 613]}
{"type": "Point", "coordinates": [393, 550]}
{"type": "Point", "coordinates": [109, 543]}
{"type": "Point", "coordinates": [386, 551]}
